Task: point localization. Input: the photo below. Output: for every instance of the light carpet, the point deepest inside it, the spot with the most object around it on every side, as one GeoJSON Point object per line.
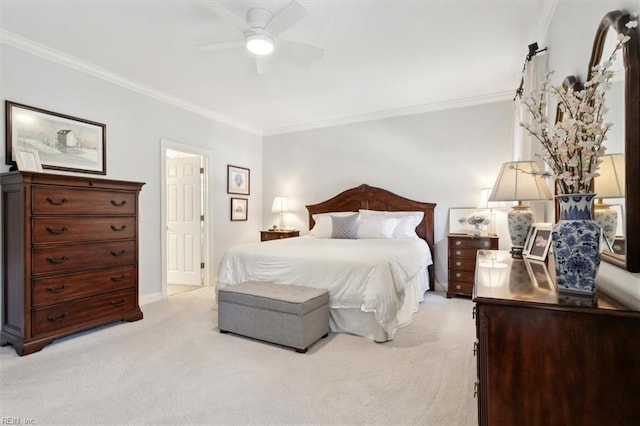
{"type": "Point", "coordinates": [175, 368]}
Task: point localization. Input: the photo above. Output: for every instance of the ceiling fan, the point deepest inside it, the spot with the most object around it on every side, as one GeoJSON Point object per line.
{"type": "Point", "coordinates": [260, 33]}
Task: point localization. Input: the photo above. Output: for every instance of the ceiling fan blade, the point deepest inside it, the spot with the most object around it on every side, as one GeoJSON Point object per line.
{"type": "Point", "coordinates": [286, 18]}
{"type": "Point", "coordinates": [263, 64]}
{"type": "Point", "coordinates": [222, 45]}
{"type": "Point", "coordinates": [227, 15]}
{"type": "Point", "coordinates": [300, 50]}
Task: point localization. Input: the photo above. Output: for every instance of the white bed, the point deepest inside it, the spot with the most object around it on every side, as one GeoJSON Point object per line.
{"type": "Point", "coordinates": [383, 277]}
{"type": "Point", "coordinates": [375, 284]}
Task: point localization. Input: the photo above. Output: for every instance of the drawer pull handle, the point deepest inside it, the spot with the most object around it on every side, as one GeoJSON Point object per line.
{"type": "Point", "coordinates": [458, 252]}
{"type": "Point", "coordinates": [64, 258]}
{"type": "Point", "coordinates": [58, 290]}
{"type": "Point", "coordinates": [120, 278]}
{"type": "Point", "coordinates": [458, 274]}
{"type": "Point", "coordinates": [485, 244]}
{"type": "Point", "coordinates": [120, 228]}
{"type": "Point", "coordinates": [118, 204]}
{"type": "Point", "coordinates": [119, 303]}
{"type": "Point", "coordinates": [458, 263]}
{"type": "Point", "coordinates": [118, 253]}
{"type": "Point", "coordinates": [458, 243]}
{"type": "Point", "coordinates": [60, 318]}
{"type": "Point", "coordinates": [475, 389]}
{"type": "Point", "coordinates": [56, 202]}
{"type": "Point", "coordinates": [457, 286]}
{"type": "Point", "coordinates": [57, 231]}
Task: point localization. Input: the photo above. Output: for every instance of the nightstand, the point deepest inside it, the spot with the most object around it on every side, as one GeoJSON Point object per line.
{"type": "Point", "coordinates": [277, 235]}
{"type": "Point", "coordinates": [462, 261]}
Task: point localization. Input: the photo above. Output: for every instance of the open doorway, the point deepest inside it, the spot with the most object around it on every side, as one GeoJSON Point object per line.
{"type": "Point", "coordinates": [185, 220]}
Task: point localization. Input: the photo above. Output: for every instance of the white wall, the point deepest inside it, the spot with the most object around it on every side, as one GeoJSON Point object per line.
{"type": "Point", "coordinates": [571, 35]}
{"type": "Point", "coordinates": [135, 125]}
{"type": "Point", "coordinates": [445, 157]}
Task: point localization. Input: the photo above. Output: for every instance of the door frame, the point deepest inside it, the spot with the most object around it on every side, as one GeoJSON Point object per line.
{"type": "Point", "coordinates": [207, 207]}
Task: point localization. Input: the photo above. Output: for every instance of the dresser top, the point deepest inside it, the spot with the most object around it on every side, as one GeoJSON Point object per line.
{"type": "Point", "coordinates": [500, 279]}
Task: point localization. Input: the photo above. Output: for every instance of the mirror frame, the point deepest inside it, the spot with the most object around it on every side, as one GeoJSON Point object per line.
{"type": "Point", "coordinates": [616, 21]}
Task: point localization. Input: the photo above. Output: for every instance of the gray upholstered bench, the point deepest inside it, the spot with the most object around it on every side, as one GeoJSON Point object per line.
{"type": "Point", "coordinates": [288, 315]}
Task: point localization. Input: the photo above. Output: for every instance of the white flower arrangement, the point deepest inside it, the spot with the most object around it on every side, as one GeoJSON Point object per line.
{"type": "Point", "coordinates": [572, 145]}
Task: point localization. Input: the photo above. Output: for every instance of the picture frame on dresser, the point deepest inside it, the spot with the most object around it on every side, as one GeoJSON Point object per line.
{"type": "Point", "coordinates": [529, 240]}
{"type": "Point", "coordinates": [63, 142]}
{"type": "Point", "coordinates": [540, 243]}
{"type": "Point", "coordinates": [238, 180]}
{"type": "Point", "coordinates": [28, 159]}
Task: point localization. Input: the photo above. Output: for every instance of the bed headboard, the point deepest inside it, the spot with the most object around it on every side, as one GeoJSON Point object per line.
{"type": "Point", "coordinates": [372, 198]}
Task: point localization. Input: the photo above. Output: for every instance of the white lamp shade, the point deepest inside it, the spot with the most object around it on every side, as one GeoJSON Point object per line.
{"type": "Point", "coordinates": [610, 183]}
{"type": "Point", "coordinates": [280, 205]}
{"type": "Point", "coordinates": [520, 181]}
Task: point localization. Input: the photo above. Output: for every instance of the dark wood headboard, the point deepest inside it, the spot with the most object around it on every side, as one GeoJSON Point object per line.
{"type": "Point", "coordinates": [372, 198]}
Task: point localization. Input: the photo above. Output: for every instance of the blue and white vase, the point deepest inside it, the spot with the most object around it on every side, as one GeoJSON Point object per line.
{"type": "Point", "coordinates": [576, 245]}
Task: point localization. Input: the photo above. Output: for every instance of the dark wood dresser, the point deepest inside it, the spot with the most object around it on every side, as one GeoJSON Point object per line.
{"type": "Point", "coordinates": [547, 358]}
{"type": "Point", "coordinates": [70, 256]}
{"type": "Point", "coordinates": [462, 261]}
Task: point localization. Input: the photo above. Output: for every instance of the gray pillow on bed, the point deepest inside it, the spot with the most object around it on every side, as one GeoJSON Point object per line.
{"type": "Point", "coordinates": [345, 227]}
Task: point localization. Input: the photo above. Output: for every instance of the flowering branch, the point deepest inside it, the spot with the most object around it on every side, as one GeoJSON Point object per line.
{"type": "Point", "coordinates": [572, 146]}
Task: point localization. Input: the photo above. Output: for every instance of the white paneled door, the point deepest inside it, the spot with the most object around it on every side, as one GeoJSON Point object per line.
{"type": "Point", "coordinates": [183, 220]}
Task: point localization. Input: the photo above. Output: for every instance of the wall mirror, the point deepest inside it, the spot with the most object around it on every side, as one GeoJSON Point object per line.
{"type": "Point", "coordinates": [623, 101]}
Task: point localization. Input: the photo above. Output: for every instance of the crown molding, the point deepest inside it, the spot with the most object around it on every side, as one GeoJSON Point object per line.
{"type": "Point", "coordinates": [29, 46]}
{"type": "Point", "coordinates": [398, 112]}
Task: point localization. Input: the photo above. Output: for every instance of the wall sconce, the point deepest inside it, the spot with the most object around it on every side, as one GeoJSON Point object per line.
{"type": "Point", "coordinates": [281, 206]}
{"type": "Point", "coordinates": [519, 181]}
{"type": "Point", "coordinates": [610, 184]}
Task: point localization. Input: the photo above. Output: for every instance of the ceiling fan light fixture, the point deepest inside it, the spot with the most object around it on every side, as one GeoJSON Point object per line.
{"type": "Point", "coordinates": [259, 44]}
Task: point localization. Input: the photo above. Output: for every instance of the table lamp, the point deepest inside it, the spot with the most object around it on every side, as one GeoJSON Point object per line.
{"type": "Point", "coordinates": [609, 184]}
{"type": "Point", "coordinates": [281, 206]}
{"type": "Point", "coordinates": [519, 181]}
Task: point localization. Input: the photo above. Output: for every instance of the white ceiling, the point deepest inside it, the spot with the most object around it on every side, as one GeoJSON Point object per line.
{"type": "Point", "coordinates": [382, 58]}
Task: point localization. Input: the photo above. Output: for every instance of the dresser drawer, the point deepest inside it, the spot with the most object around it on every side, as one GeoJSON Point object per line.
{"type": "Point", "coordinates": [61, 288]}
{"type": "Point", "coordinates": [464, 276]}
{"type": "Point", "coordinates": [76, 229]}
{"type": "Point", "coordinates": [57, 200]}
{"type": "Point", "coordinates": [69, 314]}
{"type": "Point", "coordinates": [470, 243]}
{"type": "Point", "coordinates": [79, 256]}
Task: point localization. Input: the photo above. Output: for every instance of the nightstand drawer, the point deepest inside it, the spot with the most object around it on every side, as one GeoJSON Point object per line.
{"type": "Point", "coordinates": [277, 235]}
{"type": "Point", "coordinates": [463, 253]}
{"type": "Point", "coordinates": [464, 276]}
{"type": "Point", "coordinates": [470, 242]}
{"type": "Point", "coordinates": [460, 287]}
{"type": "Point", "coordinates": [461, 264]}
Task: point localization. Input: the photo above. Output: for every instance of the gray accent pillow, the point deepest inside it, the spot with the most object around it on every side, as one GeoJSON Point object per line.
{"type": "Point", "coordinates": [345, 227]}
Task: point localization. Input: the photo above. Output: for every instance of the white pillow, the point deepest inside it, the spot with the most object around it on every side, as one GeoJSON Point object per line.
{"type": "Point", "coordinates": [323, 227]}
{"type": "Point", "coordinates": [408, 220]}
{"type": "Point", "coordinates": [376, 227]}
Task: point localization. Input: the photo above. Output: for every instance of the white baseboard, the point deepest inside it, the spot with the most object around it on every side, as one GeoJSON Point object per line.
{"type": "Point", "coordinates": [150, 298]}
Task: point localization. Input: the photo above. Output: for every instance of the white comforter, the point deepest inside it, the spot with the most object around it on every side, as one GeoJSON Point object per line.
{"type": "Point", "coordinates": [373, 275]}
